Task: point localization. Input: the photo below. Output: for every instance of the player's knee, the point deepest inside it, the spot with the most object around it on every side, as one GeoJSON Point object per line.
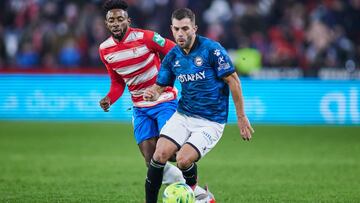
{"type": "Point", "coordinates": [161, 155]}
{"type": "Point", "coordinates": [147, 158]}
{"type": "Point", "coordinates": [183, 162]}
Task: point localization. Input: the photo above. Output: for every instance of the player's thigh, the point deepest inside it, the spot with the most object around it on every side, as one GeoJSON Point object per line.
{"type": "Point", "coordinates": [165, 149]}
{"type": "Point", "coordinates": [165, 113]}
{"type": "Point", "coordinates": [144, 127]}
{"type": "Point", "coordinates": [204, 138]}
{"type": "Point", "coordinates": [175, 130]}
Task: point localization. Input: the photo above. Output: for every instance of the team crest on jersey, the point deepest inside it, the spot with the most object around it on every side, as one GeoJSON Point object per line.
{"type": "Point", "coordinates": [135, 51]}
{"type": "Point", "coordinates": [198, 61]}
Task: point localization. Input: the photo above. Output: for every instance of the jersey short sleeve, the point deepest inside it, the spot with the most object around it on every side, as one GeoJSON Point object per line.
{"type": "Point", "coordinates": [221, 61]}
{"type": "Point", "coordinates": [166, 76]}
{"type": "Point", "coordinates": [158, 43]}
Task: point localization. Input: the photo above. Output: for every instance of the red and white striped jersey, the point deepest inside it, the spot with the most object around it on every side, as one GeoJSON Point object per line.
{"type": "Point", "coordinates": [135, 62]}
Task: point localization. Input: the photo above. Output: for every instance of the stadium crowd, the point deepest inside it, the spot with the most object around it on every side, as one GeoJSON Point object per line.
{"type": "Point", "coordinates": [310, 34]}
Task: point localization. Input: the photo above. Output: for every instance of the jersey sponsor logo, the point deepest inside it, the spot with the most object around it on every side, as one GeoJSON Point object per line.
{"type": "Point", "coordinates": [222, 64]}
{"type": "Point", "coordinates": [177, 64]}
{"type": "Point", "coordinates": [158, 39]}
{"type": "Point", "coordinates": [221, 60]}
{"type": "Point", "coordinates": [191, 77]}
{"type": "Point", "coordinates": [217, 52]}
{"type": "Point", "coordinates": [109, 58]}
{"type": "Point", "coordinates": [198, 61]}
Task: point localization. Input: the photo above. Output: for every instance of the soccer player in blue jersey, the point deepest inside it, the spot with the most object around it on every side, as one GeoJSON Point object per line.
{"type": "Point", "coordinates": [207, 76]}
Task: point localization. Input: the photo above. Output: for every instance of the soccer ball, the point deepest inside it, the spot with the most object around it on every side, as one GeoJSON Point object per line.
{"type": "Point", "coordinates": [178, 193]}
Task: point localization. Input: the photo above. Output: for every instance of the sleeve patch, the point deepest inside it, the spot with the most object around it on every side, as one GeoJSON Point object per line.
{"type": "Point", "coordinates": [158, 39]}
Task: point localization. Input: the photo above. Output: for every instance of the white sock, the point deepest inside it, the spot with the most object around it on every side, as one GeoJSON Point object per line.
{"type": "Point", "coordinates": [172, 174]}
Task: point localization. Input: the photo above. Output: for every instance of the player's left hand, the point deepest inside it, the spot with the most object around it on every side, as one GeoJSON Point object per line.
{"type": "Point", "coordinates": [245, 128]}
{"type": "Point", "coordinates": [151, 94]}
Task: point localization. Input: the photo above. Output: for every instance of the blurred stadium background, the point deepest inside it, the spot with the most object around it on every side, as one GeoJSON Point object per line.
{"type": "Point", "coordinates": [299, 66]}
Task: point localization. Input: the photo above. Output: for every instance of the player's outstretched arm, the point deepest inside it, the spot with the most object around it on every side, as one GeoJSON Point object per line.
{"type": "Point", "coordinates": [243, 122]}
{"type": "Point", "coordinates": [153, 93]}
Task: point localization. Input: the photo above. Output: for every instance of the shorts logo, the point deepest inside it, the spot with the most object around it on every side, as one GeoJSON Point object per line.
{"type": "Point", "coordinates": [198, 61]}
{"type": "Point", "coordinates": [208, 137]}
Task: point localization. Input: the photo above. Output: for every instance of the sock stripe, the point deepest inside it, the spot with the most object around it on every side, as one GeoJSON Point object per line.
{"type": "Point", "coordinates": [156, 164]}
{"type": "Point", "coordinates": [188, 169]}
{"type": "Point", "coordinates": [190, 175]}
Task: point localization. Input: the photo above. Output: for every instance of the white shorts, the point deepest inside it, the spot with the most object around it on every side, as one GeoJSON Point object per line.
{"type": "Point", "coordinates": [200, 133]}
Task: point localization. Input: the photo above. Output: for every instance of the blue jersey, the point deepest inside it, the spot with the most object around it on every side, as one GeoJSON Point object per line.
{"type": "Point", "coordinates": [204, 93]}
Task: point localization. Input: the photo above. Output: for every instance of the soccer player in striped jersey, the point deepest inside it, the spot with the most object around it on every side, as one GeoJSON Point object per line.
{"type": "Point", "coordinates": [131, 57]}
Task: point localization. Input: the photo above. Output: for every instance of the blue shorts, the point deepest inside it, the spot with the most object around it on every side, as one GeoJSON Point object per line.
{"type": "Point", "coordinates": [148, 121]}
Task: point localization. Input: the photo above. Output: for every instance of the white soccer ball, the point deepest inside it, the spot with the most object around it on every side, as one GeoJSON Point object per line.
{"type": "Point", "coordinates": [178, 193]}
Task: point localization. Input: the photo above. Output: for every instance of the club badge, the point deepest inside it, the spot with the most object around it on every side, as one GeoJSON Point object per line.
{"type": "Point", "coordinates": [198, 61]}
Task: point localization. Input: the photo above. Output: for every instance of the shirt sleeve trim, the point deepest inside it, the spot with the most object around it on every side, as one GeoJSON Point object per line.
{"type": "Point", "coordinates": [227, 74]}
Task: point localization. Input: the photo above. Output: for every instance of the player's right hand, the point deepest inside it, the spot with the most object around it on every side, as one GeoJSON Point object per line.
{"type": "Point", "coordinates": [105, 103]}
{"type": "Point", "coordinates": [246, 130]}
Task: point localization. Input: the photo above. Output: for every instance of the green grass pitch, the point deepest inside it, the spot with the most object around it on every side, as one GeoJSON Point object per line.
{"type": "Point", "coordinates": [100, 162]}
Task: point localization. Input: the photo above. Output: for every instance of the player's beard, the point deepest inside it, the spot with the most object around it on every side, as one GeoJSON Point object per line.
{"type": "Point", "coordinates": [187, 43]}
{"type": "Point", "coordinates": [121, 34]}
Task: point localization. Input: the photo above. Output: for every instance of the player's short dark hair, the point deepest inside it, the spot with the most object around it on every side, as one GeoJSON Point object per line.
{"type": "Point", "coordinates": [114, 4]}
{"type": "Point", "coordinates": [182, 13]}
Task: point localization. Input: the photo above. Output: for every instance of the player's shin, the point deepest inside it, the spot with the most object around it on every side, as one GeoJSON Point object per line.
{"type": "Point", "coordinates": [153, 181]}
{"type": "Point", "coordinates": [172, 174]}
{"type": "Point", "coordinates": [190, 175]}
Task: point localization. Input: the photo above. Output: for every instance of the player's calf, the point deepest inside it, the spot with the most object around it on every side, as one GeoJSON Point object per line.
{"type": "Point", "coordinates": [190, 175]}
{"type": "Point", "coordinates": [153, 180]}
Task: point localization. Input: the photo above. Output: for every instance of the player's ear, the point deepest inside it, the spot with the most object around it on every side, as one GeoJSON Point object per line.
{"type": "Point", "coordinates": [195, 28]}
{"type": "Point", "coordinates": [129, 20]}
